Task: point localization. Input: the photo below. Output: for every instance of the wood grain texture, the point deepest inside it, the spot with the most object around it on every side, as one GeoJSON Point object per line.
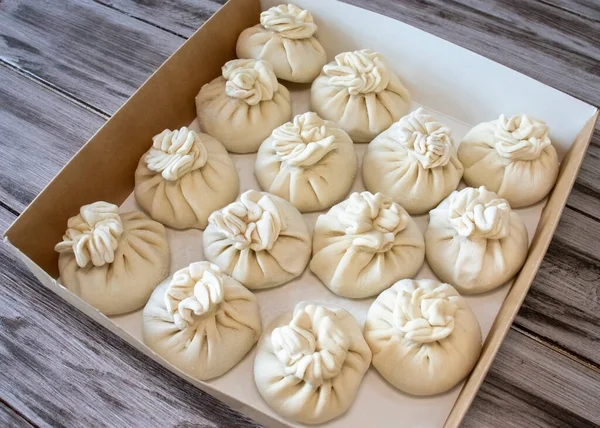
{"type": "Point", "coordinates": [95, 53]}
{"type": "Point", "coordinates": [60, 368]}
{"type": "Point", "coordinates": [48, 130]}
{"type": "Point", "coordinates": [9, 418]}
{"type": "Point", "coordinates": [563, 304]}
{"type": "Point", "coordinates": [97, 379]}
{"type": "Point", "coordinates": [587, 9]}
{"type": "Point", "coordinates": [538, 39]}
{"type": "Point", "coordinates": [181, 17]}
{"type": "Point", "coordinates": [529, 385]}
{"type": "Point", "coordinates": [40, 132]}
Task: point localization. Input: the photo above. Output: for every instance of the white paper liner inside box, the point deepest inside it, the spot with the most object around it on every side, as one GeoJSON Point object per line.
{"type": "Point", "coordinates": [186, 247]}
{"type": "Point", "coordinates": [460, 89]}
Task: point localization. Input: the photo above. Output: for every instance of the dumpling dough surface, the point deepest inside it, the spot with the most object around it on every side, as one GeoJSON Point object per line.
{"type": "Point", "coordinates": [113, 261]}
{"type": "Point", "coordinates": [414, 162]}
{"type": "Point", "coordinates": [309, 364]}
{"type": "Point", "coordinates": [201, 321]}
{"type": "Point", "coordinates": [260, 240]}
{"type": "Point", "coordinates": [309, 162]}
{"type": "Point", "coordinates": [285, 38]}
{"type": "Point", "coordinates": [184, 177]}
{"type": "Point", "coordinates": [475, 241]}
{"type": "Point", "coordinates": [243, 106]}
{"type": "Point", "coordinates": [512, 156]}
{"type": "Point", "coordinates": [364, 244]}
{"type": "Point", "coordinates": [424, 337]}
{"type": "Point", "coordinates": [360, 93]}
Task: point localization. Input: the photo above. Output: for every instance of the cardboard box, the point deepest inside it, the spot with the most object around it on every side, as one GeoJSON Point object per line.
{"type": "Point", "coordinates": [459, 85]}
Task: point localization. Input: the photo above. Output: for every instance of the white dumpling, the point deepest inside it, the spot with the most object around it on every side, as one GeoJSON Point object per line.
{"type": "Point", "coordinates": [364, 244]}
{"type": "Point", "coordinates": [475, 241]}
{"type": "Point", "coordinates": [360, 93]}
{"type": "Point", "coordinates": [424, 337]}
{"type": "Point", "coordinates": [113, 261]}
{"type": "Point", "coordinates": [309, 162]}
{"type": "Point", "coordinates": [201, 321]}
{"type": "Point", "coordinates": [243, 106]}
{"type": "Point", "coordinates": [261, 240]}
{"type": "Point", "coordinates": [512, 156]}
{"type": "Point", "coordinates": [310, 363]}
{"type": "Point", "coordinates": [414, 162]}
{"type": "Point", "coordinates": [285, 38]}
{"type": "Point", "coordinates": [184, 177]}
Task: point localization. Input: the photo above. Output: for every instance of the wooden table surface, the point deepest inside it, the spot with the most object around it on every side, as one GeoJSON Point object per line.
{"type": "Point", "coordinates": [67, 65]}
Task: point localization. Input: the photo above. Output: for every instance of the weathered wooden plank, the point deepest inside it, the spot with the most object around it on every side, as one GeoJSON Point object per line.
{"type": "Point", "coordinates": [530, 385]}
{"type": "Point", "coordinates": [562, 304]}
{"type": "Point", "coordinates": [6, 218]}
{"type": "Point", "coordinates": [181, 17]}
{"type": "Point", "coordinates": [587, 9]}
{"type": "Point", "coordinates": [10, 419]}
{"type": "Point", "coordinates": [90, 51]}
{"type": "Point", "coordinates": [89, 365]}
{"type": "Point", "coordinates": [40, 132]}
{"type": "Point", "coordinates": [533, 412]}
{"type": "Point", "coordinates": [586, 193]}
{"type": "Point", "coordinates": [537, 39]}
{"type": "Point", "coordinates": [60, 368]}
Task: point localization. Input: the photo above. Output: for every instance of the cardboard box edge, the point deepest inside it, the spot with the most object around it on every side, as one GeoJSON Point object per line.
{"type": "Point", "coordinates": [505, 317]}
{"type": "Point", "coordinates": [91, 312]}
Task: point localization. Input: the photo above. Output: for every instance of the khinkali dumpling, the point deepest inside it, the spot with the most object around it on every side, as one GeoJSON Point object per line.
{"type": "Point", "coordinates": [364, 244]}
{"type": "Point", "coordinates": [512, 156]}
{"type": "Point", "coordinates": [424, 337]}
{"type": "Point", "coordinates": [261, 240]}
{"type": "Point", "coordinates": [184, 177]}
{"type": "Point", "coordinates": [201, 321]}
{"type": "Point", "coordinates": [475, 241]}
{"type": "Point", "coordinates": [113, 261]}
{"type": "Point", "coordinates": [243, 106]}
{"type": "Point", "coordinates": [284, 37]}
{"type": "Point", "coordinates": [309, 162]}
{"type": "Point", "coordinates": [414, 162]}
{"type": "Point", "coordinates": [360, 93]}
{"type": "Point", "coordinates": [310, 363]}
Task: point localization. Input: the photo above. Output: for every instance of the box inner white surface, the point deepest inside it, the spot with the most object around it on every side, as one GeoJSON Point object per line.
{"type": "Point", "coordinates": [461, 89]}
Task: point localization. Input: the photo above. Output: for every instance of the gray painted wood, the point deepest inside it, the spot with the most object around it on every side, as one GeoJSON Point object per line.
{"type": "Point", "coordinates": [10, 419]}
{"type": "Point", "coordinates": [529, 385]}
{"type": "Point", "coordinates": [40, 132]}
{"type": "Point", "coordinates": [60, 368]}
{"type": "Point", "coordinates": [562, 306]}
{"type": "Point", "coordinates": [181, 17]}
{"type": "Point", "coordinates": [26, 130]}
{"type": "Point", "coordinates": [95, 53]}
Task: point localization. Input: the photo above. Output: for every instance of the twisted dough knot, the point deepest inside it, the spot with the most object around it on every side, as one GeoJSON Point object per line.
{"type": "Point", "coordinates": [93, 235]}
{"type": "Point", "coordinates": [479, 213]}
{"type": "Point", "coordinates": [305, 141]}
{"type": "Point", "coordinates": [289, 21]}
{"type": "Point", "coordinates": [374, 220]}
{"type": "Point", "coordinates": [194, 292]}
{"type": "Point", "coordinates": [253, 222]}
{"type": "Point", "coordinates": [175, 153]}
{"type": "Point", "coordinates": [250, 80]}
{"type": "Point", "coordinates": [361, 72]}
{"type": "Point", "coordinates": [520, 137]}
{"type": "Point", "coordinates": [314, 353]}
{"type": "Point", "coordinates": [427, 140]}
{"type": "Point", "coordinates": [424, 316]}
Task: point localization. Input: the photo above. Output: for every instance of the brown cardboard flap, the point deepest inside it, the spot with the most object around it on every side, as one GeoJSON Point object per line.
{"type": "Point", "coordinates": [104, 168]}
{"type": "Point", "coordinates": [541, 240]}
